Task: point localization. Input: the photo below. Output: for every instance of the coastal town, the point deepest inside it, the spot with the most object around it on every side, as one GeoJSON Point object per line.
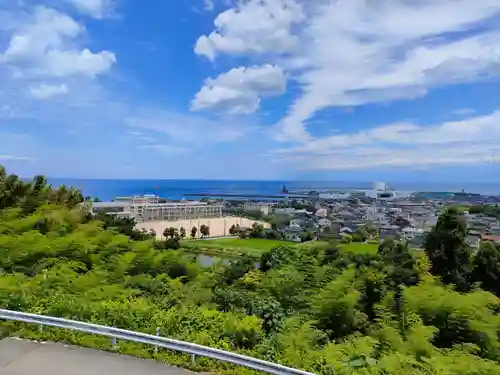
{"type": "Point", "coordinates": [352, 216]}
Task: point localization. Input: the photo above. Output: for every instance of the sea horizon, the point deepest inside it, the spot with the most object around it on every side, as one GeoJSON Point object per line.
{"type": "Point", "coordinates": [175, 189]}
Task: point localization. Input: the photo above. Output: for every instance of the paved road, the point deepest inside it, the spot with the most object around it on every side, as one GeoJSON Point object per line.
{"type": "Point", "coordinates": [19, 357]}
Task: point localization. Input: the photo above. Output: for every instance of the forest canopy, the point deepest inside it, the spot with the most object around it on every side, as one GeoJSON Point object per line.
{"type": "Point", "coordinates": [318, 308]}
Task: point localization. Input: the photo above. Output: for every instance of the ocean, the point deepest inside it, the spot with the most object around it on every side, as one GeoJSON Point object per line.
{"type": "Point", "coordinates": [175, 189]}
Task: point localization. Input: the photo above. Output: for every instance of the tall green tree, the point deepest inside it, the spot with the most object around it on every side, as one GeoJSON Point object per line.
{"type": "Point", "coordinates": [401, 271]}
{"type": "Point", "coordinates": [448, 250]}
{"type": "Point", "coordinates": [486, 267]}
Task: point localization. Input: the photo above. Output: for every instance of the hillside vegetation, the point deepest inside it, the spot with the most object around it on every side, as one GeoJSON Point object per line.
{"type": "Point", "coordinates": [316, 308]}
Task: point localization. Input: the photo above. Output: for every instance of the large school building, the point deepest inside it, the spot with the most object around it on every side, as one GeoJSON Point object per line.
{"type": "Point", "coordinates": [148, 208]}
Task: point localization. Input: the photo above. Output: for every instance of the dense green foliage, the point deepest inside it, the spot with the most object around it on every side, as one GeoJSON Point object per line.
{"type": "Point", "coordinates": [448, 250]}
{"type": "Point", "coordinates": [486, 209]}
{"type": "Point", "coordinates": [320, 308]}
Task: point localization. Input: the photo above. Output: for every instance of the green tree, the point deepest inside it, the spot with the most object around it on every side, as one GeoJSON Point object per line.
{"type": "Point", "coordinates": [182, 233]}
{"type": "Point", "coordinates": [306, 236]}
{"type": "Point", "coordinates": [331, 253]}
{"type": "Point", "coordinates": [448, 251]}
{"type": "Point", "coordinates": [232, 230]}
{"type": "Point", "coordinates": [486, 267]}
{"type": "Point", "coordinates": [401, 271]}
{"type": "Point", "coordinates": [278, 257]}
{"type": "Point", "coordinates": [257, 230]}
{"type": "Point", "coordinates": [360, 235]}
{"type": "Point", "coordinates": [204, 230]}
{"type": "Point", "coordinates": [335, 307]}
{"type": "Point", "coordinates": [347, 238]}
{"type": "Point", "coordinates": [194, 230]}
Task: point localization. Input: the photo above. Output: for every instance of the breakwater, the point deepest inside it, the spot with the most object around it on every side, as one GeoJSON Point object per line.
{"type": "Point", "coordinates": [243, 195]}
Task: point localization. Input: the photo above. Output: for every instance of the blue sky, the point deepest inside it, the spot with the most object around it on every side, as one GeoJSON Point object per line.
{"type": "Point", "coordinates": [251, 89]}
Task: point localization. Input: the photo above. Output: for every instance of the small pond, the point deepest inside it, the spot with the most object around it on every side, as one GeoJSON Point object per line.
{"type": "Point", "coordinates": [209, 260]}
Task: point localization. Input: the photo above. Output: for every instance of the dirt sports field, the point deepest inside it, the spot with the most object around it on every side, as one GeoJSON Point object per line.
{"type": "Point", "coordinates": [218, 226]}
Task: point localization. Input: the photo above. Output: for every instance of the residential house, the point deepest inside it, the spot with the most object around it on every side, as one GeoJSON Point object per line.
{"type": "Point", "coordinates": [324, 222]}
{"type": "Point", "coordinates": [297, 223]}
{"type": "Point", "coordinates": [415, 237]}
{"type": "Point", "coordinates": [490, 238]}
{"type": "Point", "coordinates": [346, 231]}
{"type": "Point", "coordinates": [494, 230]}
{"type": "Point", "coordinates": [346, 215]}
{"type": "Point", "coordinates": [284, 211]}
{"type": "Point", "coordinates": [474, 239]}
{"type": "Point", "coordinates": [335, 225]}
{"type": "Point", "coordinates": [292, 234]}
{"type": "Point", "coordinates": [321, 212]}
{"type": "Point", "coordinates": [389, 231]}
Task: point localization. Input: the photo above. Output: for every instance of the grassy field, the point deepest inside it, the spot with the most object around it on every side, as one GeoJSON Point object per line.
{"type": "Point", "coordinates": [236, 244]}
{"type": "Point", "coordinates": [256, 246]}
{"type": "Point", "coordinates": [357, 247]}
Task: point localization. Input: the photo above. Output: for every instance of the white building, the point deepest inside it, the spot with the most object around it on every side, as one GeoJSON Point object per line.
{"type": "Point", "coordinates": [263, 207]}
{"type": "Point", "coordinates": [148, 208]}
{"type": "Point", "coordinates": [380, 186]}
{"type": "Point", "coordinates": [175, 211]}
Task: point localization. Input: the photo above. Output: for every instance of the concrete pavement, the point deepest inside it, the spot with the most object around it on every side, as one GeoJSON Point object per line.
{"type": "Point", "coordinates": [19, 357]}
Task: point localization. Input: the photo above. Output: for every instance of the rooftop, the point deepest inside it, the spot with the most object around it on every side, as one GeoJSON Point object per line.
{"type": "Point", "coordinates": [110, 204]}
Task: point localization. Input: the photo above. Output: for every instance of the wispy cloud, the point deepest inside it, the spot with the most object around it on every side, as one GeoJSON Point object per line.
{"type": "Point", "coordinates": [44, 91]}
{"type": "Point", "coordinates": [470, 141]}
{"type": "Point", "coordinates": [166, 149]}
{"type": "Point", "coordinates": [188, 129]}
{"type": "Point", "coordinates": [15, 158]}
{"type": "Point", "coordinates": [351, 53]}
{"type": "Point", "coordinates": [464, 112]}
{"type": "Point", "coordinates": [95, 8]}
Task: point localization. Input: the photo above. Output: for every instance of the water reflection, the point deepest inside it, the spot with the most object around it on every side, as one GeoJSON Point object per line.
{"type": "Point", "coordinates": [210, 260]}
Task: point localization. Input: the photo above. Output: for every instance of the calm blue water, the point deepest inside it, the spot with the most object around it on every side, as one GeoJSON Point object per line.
{"type": "Point", "coordinates": [175, 189]}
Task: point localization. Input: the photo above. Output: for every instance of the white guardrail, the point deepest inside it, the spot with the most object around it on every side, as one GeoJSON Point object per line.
{"type": "Point", "coordinates": [157, 341]}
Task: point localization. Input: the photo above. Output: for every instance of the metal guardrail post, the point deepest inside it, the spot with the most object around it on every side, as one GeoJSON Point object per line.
{"type": "Point", "coordinates": [158, 341]}
{"type": "Point", "coordinates": [158, 335]}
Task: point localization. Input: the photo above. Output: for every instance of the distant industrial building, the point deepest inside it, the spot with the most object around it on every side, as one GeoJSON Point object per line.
{"type": "Point", "coordinates": [147, 208]}
{"type": "Point", "coordinates": [380, 186]}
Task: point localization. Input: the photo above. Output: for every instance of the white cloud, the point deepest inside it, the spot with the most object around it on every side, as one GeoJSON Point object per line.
{"type": "Point", "coordinates": [346, 53]}
{"type": "Point", "coordinates": [166, 149]}
{"type": "Point", "coordinates": [464, 111]}
{"type": "Point", "coordinates": [254, 26]}
{"type": "Point", "coordinates": [94, 8]}
{"type": "Point", "coordinates": [240, 90]}
{"type": "Point", "coordinates": [209, 4]}
{"type": "Point", "coordinates": [357, 52]}
{"type": "Point", "coordinates": [470, 141]}
{"type": "Point", "coordinates": [15, 158]}
{"type": "Point", "coordinates": [45, 45]}
{"type": "Point", "coordinates": [45, 91]}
